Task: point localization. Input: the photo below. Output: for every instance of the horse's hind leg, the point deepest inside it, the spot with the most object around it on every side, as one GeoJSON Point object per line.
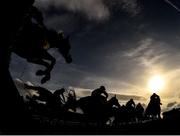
{"type": "Point", "coordinates": [53, 62]}
{"type": "Point", "coordinates": [42, 72]}
{"type": "Point", "coordinates": [45, 78]}
{"type": "Point", "coordinates": [47, 71]}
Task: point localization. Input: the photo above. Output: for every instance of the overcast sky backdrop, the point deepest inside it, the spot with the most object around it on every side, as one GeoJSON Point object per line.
{"type": "Point", "coordinates": [116, 43]}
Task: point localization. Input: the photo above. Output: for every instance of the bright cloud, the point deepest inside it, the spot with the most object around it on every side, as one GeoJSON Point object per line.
{"type": "Point", "coordinates": [93, 9]}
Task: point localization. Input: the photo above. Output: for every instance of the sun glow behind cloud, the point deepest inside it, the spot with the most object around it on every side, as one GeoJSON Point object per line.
{"type": "Point", "coordinates": [156, 84]}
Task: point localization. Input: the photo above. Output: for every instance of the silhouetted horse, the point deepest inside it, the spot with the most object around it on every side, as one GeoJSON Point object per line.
{"type": "Point", "coordinates": [130, 111]}
{"type": "Point", "coordinates": [53, 103]}
{"type": "Point", "coordinates": [139, 112]}
{"type": "Point", "coordinates": [124, 114]}
{"type": "Point", "coordinates": [71, 102]}
{"type": "Point", "coordinates": [97, 109]}
{"type": "Point", "coordinates": [32, 43]}
{"type": "Point", "coordinates": [120, 115]}
{"type": "Point", "coordinates": [42, 94]}
{"type": "Point", "coordinates": [173, 114]}
{"type": "Point", "coordinates": [153, 110]}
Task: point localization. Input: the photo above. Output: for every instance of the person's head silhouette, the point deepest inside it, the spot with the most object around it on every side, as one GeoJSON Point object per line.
{"type": "Point", "coordinates": [102, 88]}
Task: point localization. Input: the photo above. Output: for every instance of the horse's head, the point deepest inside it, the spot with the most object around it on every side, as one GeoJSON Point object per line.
{"type": "Point", "coordinates": [64, 47]}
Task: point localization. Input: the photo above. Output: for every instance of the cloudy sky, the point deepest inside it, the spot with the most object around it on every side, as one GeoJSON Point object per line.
{"type": "Point", "coordinates": [117, 43]}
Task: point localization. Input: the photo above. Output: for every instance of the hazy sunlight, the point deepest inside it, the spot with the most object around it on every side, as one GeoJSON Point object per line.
{"type": "Point", "coordinates": [156, 84]}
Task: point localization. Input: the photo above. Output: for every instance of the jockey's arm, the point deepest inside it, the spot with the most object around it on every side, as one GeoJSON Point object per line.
{"type": "Point", "coordinates": [134, 104]}
{"type": "Point", "coordinates": [63, 98]}
{"type": "Point", "coordinates": [37, 15]}
{"type": "Point", "coordinates": [105, 93]}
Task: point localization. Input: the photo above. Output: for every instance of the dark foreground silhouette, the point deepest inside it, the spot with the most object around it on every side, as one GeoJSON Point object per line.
{"type": "Point", "coordinates": [32, 43]}
{"type": "Point", "coordinates": [100, 114]}
{"type": "Point", "coordinates": [18, 29]}
{"type": "Point", "coordinates": [33, 39]}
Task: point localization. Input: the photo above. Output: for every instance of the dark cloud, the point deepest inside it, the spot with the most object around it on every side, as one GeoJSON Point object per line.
{"type": "Point", "coordinates": [132, 7]}
{"type": "Point", "coordinates": [171, 105]}
{"type": "Point", "coordinates": [99, 12]}
{"type": "Point", "coordinates": [178, 105]}
{"type": "Point", "coordinates": [128, 97]}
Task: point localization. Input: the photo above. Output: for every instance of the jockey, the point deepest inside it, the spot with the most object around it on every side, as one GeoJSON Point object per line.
{"type": "Point", "coordinates": [34, 13]}
{"type": "Point", "coordinates": [72, 95]}
{"type": "Point", "coordinates": [59, 95]}
{"type": "Point", "coordinates": [155, 99]}
{"type": "Point", "coordinates": [131, 103]}
{"type": "Point", "coordinates": [99, 92]}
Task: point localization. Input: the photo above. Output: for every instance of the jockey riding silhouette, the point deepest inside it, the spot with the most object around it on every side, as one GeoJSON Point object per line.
{"type": "Point", "coordinates": [34, 15]}
{"type": "Point", "coordinates": [58, 95]}
{"type": "Point", "coordinates": [71, 101]}
{"type": "Point", "coordinates": [130, 110]}
{"type": "Point", "coordinates": [72, 95]}
{"type": "Point", "coordinates": [33, 39]}
{"type": "Point", "coordinates": [153, 109]}
{"type": "Point", "coordinates": [99, 96]}
{"type": "Point", "coordinates": [130, 103]}
{"type": "Point", "coordinates": [155, 99]}
{"type": "Point", "coordinates": [99, 92]}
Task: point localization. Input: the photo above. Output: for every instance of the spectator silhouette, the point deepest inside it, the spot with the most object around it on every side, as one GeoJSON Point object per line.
{"type": "Point", "coordinates": [101, 91]}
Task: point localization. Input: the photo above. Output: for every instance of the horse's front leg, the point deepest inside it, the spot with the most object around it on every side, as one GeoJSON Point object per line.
{"type": "Point", "coordinates": [53, 62]}
{"type": "Point", "coordinates": [42, 72]}
{"type": "Point", "coordinates": [47, 72]}
{"type": "Point", "coordinates": [39, 62]}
